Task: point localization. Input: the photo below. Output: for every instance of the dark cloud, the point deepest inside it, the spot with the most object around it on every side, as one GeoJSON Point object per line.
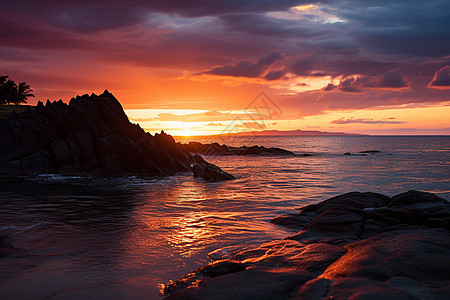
{"type": "Point", "coordinates": [91, 19]}
{"type": "Point", "coordinates": [270, 26]}
{"type": "Point", "coordinates": [415, 27]}
{"type": "Point", "coordinates": [392, 79]}
{"type": "Point", "coordinates": [372, 46]}
{"type": "Point", "coordinates": [355, 84]}
{"type": "Point", "coordinates": [349, 85]}
{"type": "Point", "coordinates": [329, 87]}
{"type": "Point", "coordinates": [35, 35]}
{"type": "Point", "coordinates": [246, 68]}
{"type": "Point", "coordinates": [275, 75]}
{"type": "Point", "coordinates": [303, 66]}
{"type": "Point", "coordinates": [441, 78]}
{"type": "Point", "coordinates": [365, 121]}
{"type": "Point", "coordinates": [220, 7]}
{"type": "Point", "coordinates": [195, 8]}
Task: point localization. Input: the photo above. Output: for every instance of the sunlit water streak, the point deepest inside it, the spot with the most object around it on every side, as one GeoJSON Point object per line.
{"type": "Point", "coordinates": [118, 238]}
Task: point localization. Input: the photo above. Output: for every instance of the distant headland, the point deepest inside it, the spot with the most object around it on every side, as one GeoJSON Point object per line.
{"type": "Point", "coordinates": [297, 132]}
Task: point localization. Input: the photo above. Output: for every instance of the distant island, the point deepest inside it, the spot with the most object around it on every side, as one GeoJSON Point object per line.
{"type": "Point", "coordinates": [297, 132]}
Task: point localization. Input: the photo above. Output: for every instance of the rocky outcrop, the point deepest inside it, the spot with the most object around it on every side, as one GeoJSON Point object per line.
{"type": "Point", "coordinates": [353, 246]}
{"type": "Point", "coordinates": [90, 135]}
{"type": "Point", "coordinates": [217, 149]}
{"type": "Point", "coordinates": [210, 172]}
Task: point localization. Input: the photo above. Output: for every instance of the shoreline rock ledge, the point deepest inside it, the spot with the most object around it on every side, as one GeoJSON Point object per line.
{"type": "Point", "coordinates": [91, 135]}
{"type": "Point", "coordinates": [353, 246]}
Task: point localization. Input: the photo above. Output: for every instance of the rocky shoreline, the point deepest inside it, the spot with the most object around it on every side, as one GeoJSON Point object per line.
{"type": "Point", "coordinates": [353, 246]}
{"type": "Point", "coordinates": [93, 136]}
{"type": "Point", "coordinates": [224, 150]}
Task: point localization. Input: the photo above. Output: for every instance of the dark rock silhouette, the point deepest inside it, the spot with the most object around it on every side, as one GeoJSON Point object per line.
{"type": "Point", "coordinates": [353, 246]}
{"type": "Point", "coordinates": [217, 149]}
{"type": "Point", "coordinates": [210, 172]}
{"type": "Point", "coordinates": [90, 135]}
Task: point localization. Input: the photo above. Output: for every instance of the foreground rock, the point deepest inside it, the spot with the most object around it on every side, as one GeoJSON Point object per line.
{"type": "Point", "coordinates": [217, 149]}
{"type": "Point", "coordinates": [91, 135]}
{"type": "Point", "coordinates": [353, 246]}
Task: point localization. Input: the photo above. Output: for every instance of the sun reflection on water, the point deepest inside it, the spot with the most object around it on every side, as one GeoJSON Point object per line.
{"type": "Point", "coordinates": [192, 234]}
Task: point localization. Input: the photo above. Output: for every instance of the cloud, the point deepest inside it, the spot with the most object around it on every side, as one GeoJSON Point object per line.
{"type": "Point", "coordinates": [220, 7]}
{"type": "Point", "coordinates": [275, 75]}
{"type": "Point", "coordinates": [246, 68]}
{"type": "Point", "coordinates": [389, 28]}
{"type": "Point", "coordinates": [441, 78]}
{"type": "Point", "coordinates": [264, 25]}
{"type": "Point", "coordinates": [392, 79]}
{"type": "Point", "coordinates": [365, 121]}
{"type": "Point", "coordinates": [367, 49]}
{"type": "Point", "coordinates": [143, 119]}
{"type": "Point", "coordinates": [214, 124]}
{"type": "Point", "coordinates": [90, 19]}
{"type": "Point", "coordinates": [209, 116]}
{"type": "Point", "coordinates": [252, 125]}
{"type": "Point", "coordinates": [303, 66]}
{"type": "Point", "coordinates": [355, 84]}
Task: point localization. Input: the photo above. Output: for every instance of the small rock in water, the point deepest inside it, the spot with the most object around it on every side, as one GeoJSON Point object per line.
{"type": "Point", "coordinates": [211, 172]}
{"type": "Point", "coordinates": [370, 151]}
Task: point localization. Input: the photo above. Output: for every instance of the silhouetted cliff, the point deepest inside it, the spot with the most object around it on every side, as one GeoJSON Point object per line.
{"type": "Point", "coordinates": [90, 135]}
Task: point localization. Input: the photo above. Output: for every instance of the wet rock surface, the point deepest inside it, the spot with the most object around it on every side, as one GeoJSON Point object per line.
{"type": "Point", "coordinates": [210, 172]}
{"type": "Point", "coordinates": [217, 149]}
{"type": "Point", "coordinates": [90, 135]}
{"type": "Point", "coordinates": [353, 246]}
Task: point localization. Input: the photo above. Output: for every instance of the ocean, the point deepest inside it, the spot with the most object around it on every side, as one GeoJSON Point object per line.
{"type": "Point", "coordinates": [80, 237]}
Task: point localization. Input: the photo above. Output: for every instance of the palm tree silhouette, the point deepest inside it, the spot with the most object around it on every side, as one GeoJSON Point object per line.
{"type": "Point", "coordinates": [10, 92]}
{"type": "Point", "coordinates": [23, 92]}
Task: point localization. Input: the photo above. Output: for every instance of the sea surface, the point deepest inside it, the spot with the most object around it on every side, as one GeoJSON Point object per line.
{"type": "Point", "coordinates": [121, 237]}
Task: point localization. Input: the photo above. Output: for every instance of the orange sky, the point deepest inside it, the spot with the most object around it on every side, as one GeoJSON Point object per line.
{"type": "Point", "coordinates": [197, 69]}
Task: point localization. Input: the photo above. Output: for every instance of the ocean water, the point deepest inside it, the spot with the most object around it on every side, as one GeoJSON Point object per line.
{"type": "Point", "coordinates": [121, 237]}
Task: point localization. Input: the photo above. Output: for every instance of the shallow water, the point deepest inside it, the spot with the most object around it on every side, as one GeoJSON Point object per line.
{"type": "Point", "coordinates": [119, 238]}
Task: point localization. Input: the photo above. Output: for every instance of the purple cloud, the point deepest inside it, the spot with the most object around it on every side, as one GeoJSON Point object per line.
{"type": "Point", "coordinates": [246, 68]}
{"type": "Point", "coordinates": [275, 75]}
{"type": "Point", "coordinates": [392, 79]}
{"type": "Point", "coordinates": [353, 84]}
{"type": "Point", "coordinates": [441, 78]}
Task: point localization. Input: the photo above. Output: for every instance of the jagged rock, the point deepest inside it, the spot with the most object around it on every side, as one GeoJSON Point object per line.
{"type": "Point", "coordinates": [353, 246]}
{"type": "Point", "coordinates": [210, 172]}
{"type": "Point", "coordinates": [90, 135]}
{"type": "Point", "coordinates": [196, 159]}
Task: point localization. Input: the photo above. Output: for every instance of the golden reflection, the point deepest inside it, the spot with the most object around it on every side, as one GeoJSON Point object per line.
{"type": "Point", "coordinates": [193, 233]}
{"type": "Point", "coordinates": [192, 230]}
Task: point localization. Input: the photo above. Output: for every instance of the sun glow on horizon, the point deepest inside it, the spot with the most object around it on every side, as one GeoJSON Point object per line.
{"type": "Point", "coordinates": [393, 121]}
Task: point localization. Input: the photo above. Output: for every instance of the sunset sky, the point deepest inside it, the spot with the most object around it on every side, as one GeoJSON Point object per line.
{"type": "Point", "coordinates": [209, 66]}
